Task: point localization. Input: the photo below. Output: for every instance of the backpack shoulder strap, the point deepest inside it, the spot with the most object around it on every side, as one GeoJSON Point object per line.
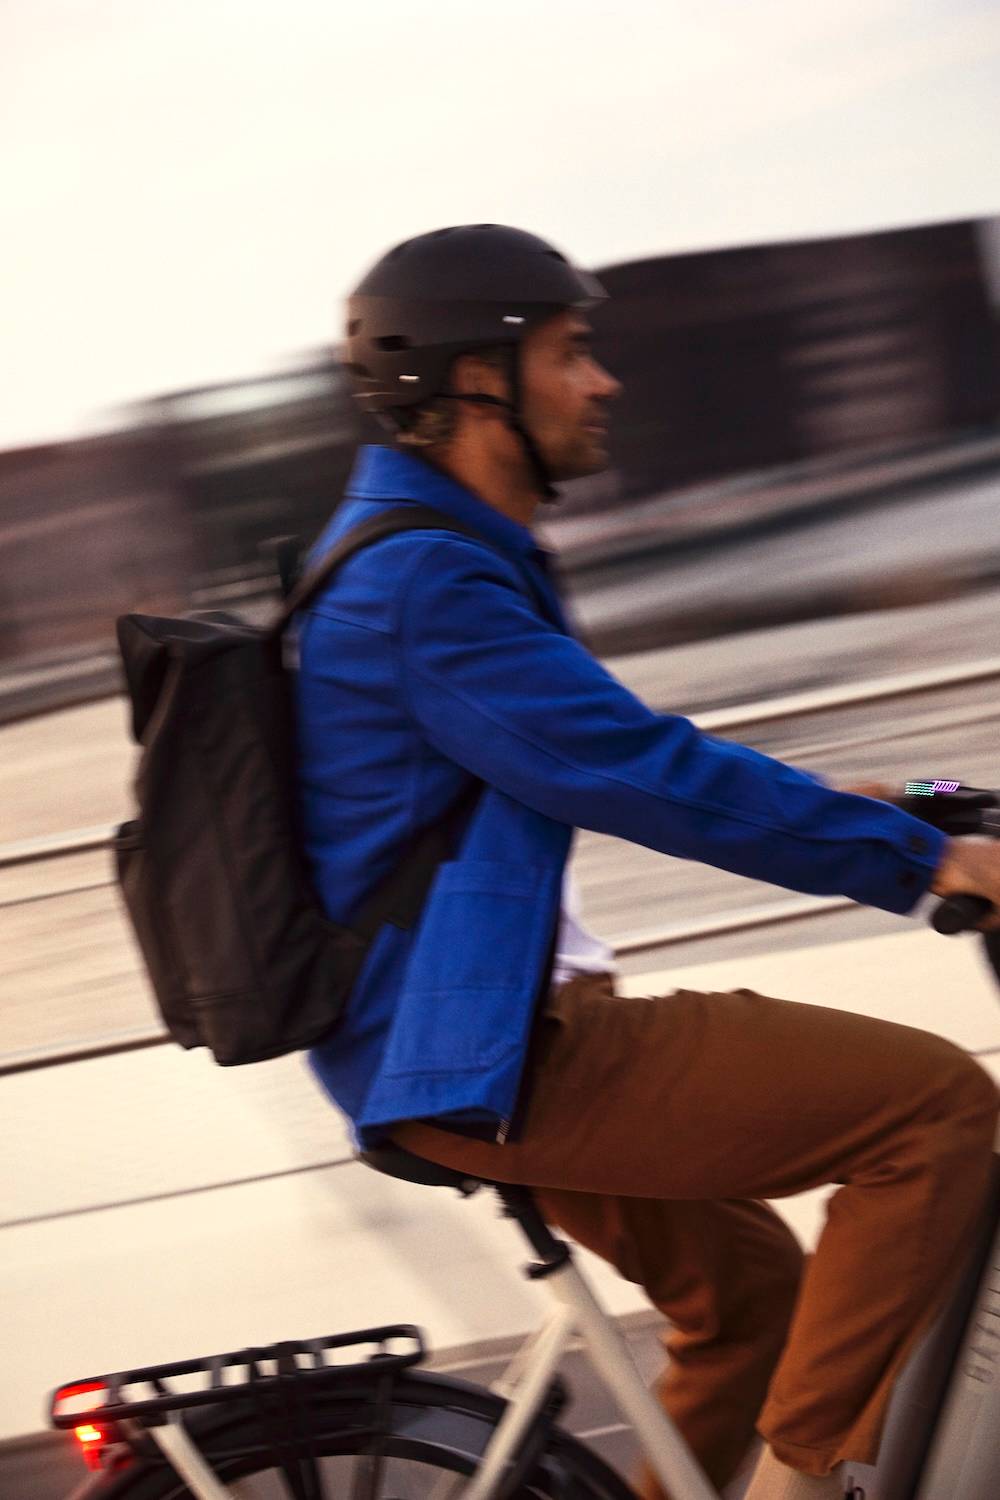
{"type": "Point", "coordinates": [387, 523]}
{"type": "Point", "coordinates": [399, 899]}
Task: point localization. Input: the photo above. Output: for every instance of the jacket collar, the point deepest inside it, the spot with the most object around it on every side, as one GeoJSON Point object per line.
{"type": "Point", "coordinates": [382, 473]}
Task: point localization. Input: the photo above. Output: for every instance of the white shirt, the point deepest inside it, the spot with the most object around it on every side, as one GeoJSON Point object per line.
{"type": "Point", "coordinates": [577, 950]}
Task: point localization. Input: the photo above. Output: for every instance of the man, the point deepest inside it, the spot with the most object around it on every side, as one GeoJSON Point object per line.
{"type": "Point", "coordinates": [489, 1037]}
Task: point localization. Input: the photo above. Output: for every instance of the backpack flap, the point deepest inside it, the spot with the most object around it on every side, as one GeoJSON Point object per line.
{"type": "Point", "coordinates": [145, 660]}
{"type": "Point", "coordinates": [149, 643]}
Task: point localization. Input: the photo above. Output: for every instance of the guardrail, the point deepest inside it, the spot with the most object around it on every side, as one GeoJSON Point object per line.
{"type": "Point", "coordinates": [795, 908]}
{"type": "Point", "coordinates": [55, 845]}
{"type": "Point", "coordinates": [791, 705]}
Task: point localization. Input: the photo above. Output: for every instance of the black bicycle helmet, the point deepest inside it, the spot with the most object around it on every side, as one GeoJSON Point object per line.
{"type": "Point", "coordinates": [447, 293]}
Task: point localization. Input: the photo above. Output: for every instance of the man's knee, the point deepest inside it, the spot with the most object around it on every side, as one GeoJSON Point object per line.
{"type": "Point", "coordinates": [949, 1117]}
{"type": "Point", "coordinates": [964, 1092]}
{"type": "Point", "coordinates": [984, 1096]}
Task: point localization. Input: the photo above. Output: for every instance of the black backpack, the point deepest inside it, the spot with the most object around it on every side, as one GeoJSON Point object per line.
{"type": "Point", "coordinates": [241, 956]}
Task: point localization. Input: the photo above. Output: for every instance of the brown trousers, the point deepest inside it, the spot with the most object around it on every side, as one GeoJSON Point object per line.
{"type": "Point", "coordinates": [654, 1129]}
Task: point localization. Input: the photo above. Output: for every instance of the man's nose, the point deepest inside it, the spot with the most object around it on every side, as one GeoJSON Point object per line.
{"type": "Point", "coordinates": [610, 388]}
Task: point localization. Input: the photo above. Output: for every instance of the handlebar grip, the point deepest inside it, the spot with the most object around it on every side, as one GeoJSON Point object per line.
{"type": "Point", "coordinates": [960, 914]}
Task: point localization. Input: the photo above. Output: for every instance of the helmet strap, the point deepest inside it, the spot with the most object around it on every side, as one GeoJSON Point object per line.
{"type": "Point", "coordinates": [516, 422]}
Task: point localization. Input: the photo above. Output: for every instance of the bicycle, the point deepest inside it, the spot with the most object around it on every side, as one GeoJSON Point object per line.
{"type": "Point", "coordinates": [304, 1419]}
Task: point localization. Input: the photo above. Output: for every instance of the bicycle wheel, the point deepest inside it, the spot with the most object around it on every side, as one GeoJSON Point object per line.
{"type": "Point", "coordinates": [419, 1442]}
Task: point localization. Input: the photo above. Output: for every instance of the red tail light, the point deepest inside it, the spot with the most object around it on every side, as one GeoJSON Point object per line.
{"type": "Point", "coordinates": [91, 1439]}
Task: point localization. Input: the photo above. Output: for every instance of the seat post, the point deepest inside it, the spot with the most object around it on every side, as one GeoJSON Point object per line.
{"type": "Point", "coordinates": [519, 1203]}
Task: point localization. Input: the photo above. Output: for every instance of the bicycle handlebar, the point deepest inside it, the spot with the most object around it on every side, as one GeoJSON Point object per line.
{"type": "Point", "coordinates": [959, 811]}
{"type": "Point", "coordinates": [960, 914]}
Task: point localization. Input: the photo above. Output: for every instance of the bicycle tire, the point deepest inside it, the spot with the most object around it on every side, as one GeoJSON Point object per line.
{"type": "Point", "coordinates": [440, 1423]}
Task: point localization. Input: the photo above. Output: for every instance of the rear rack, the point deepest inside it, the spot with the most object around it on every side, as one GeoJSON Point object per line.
{"type": "Point", "coordinates": [230, 1377]}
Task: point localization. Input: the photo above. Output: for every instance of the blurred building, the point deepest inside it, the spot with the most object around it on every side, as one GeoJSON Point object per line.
{"type": "Point", "coordinates": [168, 514]}
{"type": "Point", "coordinates": [254, 460]}
{"type": "Point", "coordinates": [740, 360]}
{"type": "Point", "coordinates": [86, 529]}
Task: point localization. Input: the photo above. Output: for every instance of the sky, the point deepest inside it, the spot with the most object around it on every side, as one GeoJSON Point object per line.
{"type": "Point", "coordinates": [189, 188]}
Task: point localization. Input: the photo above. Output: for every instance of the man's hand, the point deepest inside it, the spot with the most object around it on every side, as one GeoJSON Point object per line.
{"type": "Point", "coordinates": [971, 867]}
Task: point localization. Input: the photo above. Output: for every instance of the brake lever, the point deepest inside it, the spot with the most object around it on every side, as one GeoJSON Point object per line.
{"type": "Point", "coordinates": [955, 809]}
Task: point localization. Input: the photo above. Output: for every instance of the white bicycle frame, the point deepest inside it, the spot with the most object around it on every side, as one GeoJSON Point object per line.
{"type": "Point", "coordinates": [964, 1454]}
{"type": "Point", "coordinates": [524, 1385]}
{"type": "Point", "coordinates": [927, 1450]}
{"type": "Point", "coordinates": [941, 1425]}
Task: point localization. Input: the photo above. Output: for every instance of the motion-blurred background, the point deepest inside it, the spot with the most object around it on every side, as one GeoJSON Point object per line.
{"type": "Point", "coordinates": [790, 205]}
{"type": "Point", "coordinates": [795, 210]}
{"type": "Point", "coordinates": [766, 389]}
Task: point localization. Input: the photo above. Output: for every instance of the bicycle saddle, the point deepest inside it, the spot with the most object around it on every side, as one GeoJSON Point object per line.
{"type": "Point", "coordinates": [396, 1161]}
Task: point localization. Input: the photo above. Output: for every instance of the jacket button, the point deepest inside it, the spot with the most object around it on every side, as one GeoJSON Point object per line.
{"type": "Point", "coordinates": [908, 877]}
{"type": "Point", "coordinates": [916, 843]}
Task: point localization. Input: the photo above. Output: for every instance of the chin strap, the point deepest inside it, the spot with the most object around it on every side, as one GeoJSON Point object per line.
{"type": "Point", "coordinates": [516, 422]}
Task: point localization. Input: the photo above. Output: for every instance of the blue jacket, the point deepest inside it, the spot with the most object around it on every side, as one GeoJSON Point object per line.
{"type": "Point", "coordinates": [425, 662]}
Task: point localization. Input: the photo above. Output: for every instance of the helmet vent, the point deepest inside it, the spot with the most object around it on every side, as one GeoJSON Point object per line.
{"type": "Point", "coordinates": [391, 343]}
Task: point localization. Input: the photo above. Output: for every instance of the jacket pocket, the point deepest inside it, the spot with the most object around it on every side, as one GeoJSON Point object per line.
{"type": "Point", "coordinates": [472, 977]}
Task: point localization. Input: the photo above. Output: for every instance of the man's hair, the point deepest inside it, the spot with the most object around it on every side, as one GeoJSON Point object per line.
{"type": "Point", "coordinates": [431, 424]}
